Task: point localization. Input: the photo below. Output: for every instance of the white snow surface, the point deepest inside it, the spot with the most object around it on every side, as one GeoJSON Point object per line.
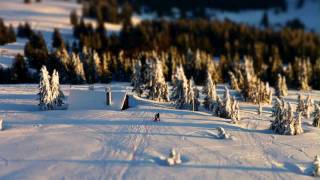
{"type": "Point", "coordinates": [110, 144]}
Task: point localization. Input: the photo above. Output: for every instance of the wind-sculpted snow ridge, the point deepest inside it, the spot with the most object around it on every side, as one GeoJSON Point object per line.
{"type": "Point", "coordinates": [110, 144]}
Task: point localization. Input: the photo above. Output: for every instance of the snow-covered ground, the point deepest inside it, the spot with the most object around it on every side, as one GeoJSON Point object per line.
{"type": "Point", "coordinates": [108, 144]}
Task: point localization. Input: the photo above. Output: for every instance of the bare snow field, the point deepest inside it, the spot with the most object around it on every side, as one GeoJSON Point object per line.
{"type": "Point", "coordinates": [108, 144]}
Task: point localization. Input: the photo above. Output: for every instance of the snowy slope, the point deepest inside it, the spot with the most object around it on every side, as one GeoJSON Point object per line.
{"type": "Point", "coordinates": [108, 144]}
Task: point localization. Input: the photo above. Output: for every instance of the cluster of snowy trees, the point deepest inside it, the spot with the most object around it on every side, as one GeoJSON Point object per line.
{"type": "Point", "coordinates": [286, 121]}
{"type": "Point", "coordinates": [149, 77]}
{"type": "Point", "coordinates": [85, 67]}
{"type": "Point", "coordinates": [227, 107]}
{"type": "Point", "coordinates": [305, 106]}
{"type": "Point", "coordinates": [252, 88]}
{"type": "Point", "coordinates": [184, 92]}
{"type": "Point", "coordinates": [50, 94]}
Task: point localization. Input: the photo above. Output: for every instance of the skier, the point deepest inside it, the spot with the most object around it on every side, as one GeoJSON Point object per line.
{"type": "Point", "coordinates": [157, 117]}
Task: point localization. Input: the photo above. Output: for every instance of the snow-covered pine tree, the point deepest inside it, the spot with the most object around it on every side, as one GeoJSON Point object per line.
{"type": "Point", "coordinates": [63, 56]}
{"type": "Point", "coordinates": [260, 109]}
{"type": "Point", "coordinates": [180, 88]}
{"type": "Point", "coordinates": [77, 68]}
{"type": "Point", "coordinates": [278, 86]}
{"type": "Point", "coordinates": [209, 90]}
{"type": "Point", "coordinates": [93, 68]}
{"type": "Point", "coordinates": [97, 65]}
{"type": "Point", "coordinates": [297, 124]}
{"type": "Point", "coordinates": [277, 107]}
{"type": "Point", "coordinates": [1, 125]}
{"type": "Point", "coordinates": [303, 74]}
{"type": "Point", "coordinates": [105, 67]}
{"type": "Point", "coordinates": [235, 112]}
{"type": "Point", "coordinates": [316, 166]}
{"type": "Point", "coordinates": [45, 95]}
{"type": "Point", "coordinates": [300, 106]}
{"type": "Point", "coordinates": [316, 116]}
{"type": "Point", "coordinates": [216, 110]}
{"type": "Point", "coordinates": [159, 88]}
{"type": "Point", "coordinates": [281, 86]}
{"type": "Point", "coordinates": [227, 104]}
{"type": "Point", "coordinates": [136, 79]}
{"type": "Point", "coordinates": [57, 95]}
{"type": "Point", "coordinates": [233, 81]}
{"type": "Point", "coordinates": [284, 87]}
{"type": "Point", "coordinates": [278, 111]}
{"type": "Point", "coordinates": [289, 121]}
{"type": "Point", "coordinates": [308, 106]}
{"type": "Point", "coordinates": [193, 95]}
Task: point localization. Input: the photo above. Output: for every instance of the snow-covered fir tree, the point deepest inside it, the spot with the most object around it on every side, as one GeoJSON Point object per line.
{"type": "Point", "coordinates": [303, 74]}
{"type": "Point", "coordinates": [278, 111]}
{"type": "Point", "coordinates": [209, 90]}
{"type": "Point", "coordinates": [281, 86]}
{"type": "Point", "coordinates": [227, 104]}
{"type": "Point", "coordinates": [180, 88]}
{"type": "Point", "coordinates": [1, 125]}
{"type": "Point", "coordinates": [56, 93]}
{"type": "Point", "coordinates": [106, 74]}
{"type": "Point", "coordinates": [159, 88]}
{"type": "Point", "coordinates": [260, 109]}
{"type": "Point", "coordinates": [316, 116]}
{"type": "Point", "coordinates": [93, 70]}
{"type": "Point", "coordinates": [233, 81]}
{"type": "Point", "coordinates": [297, 124]}
{"type": "Point", "coordinates": [289, 121]}
{"type": "Point", "coordinates": [308, 107]}
{"type": "Point", "coordinates": [235, 112]}
{"type": "Point", "coordinates": [277, 108]}
{"type": "Point", "coordinates": [217, 107]}
{"type": "Point", "coordinates": [193, 96]}
{"type": "Point", "coordinates": [63, 56]}
{"type": "Point", "coordinates": [77, 68]}
{"type": "Point", "coordinates": [301, 105]}
{"type": "Point", "coordinates": [316, 166]}
{"type": "Point", "coordinates": [136, 79]}
{"type": "Point", "coordinates": [45, 95]}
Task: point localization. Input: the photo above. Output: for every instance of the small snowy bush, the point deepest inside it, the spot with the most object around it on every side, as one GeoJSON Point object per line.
{"type": "Point", "coordinates": [174, 158]}
{"type": "Point", "coordinates": [222, 133]}
{"type": "Point", "coordinates": [316, 166]}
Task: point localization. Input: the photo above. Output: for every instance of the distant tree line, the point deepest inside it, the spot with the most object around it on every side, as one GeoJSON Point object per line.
{"type": "Point", "coordinates": [107, 10]}
{"type": "Point", "coordinates": [194, 45]}
{"type": "Point", "coordinates": [7, 34]}
{"type": "Point", "coordinates": [116, 11]}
